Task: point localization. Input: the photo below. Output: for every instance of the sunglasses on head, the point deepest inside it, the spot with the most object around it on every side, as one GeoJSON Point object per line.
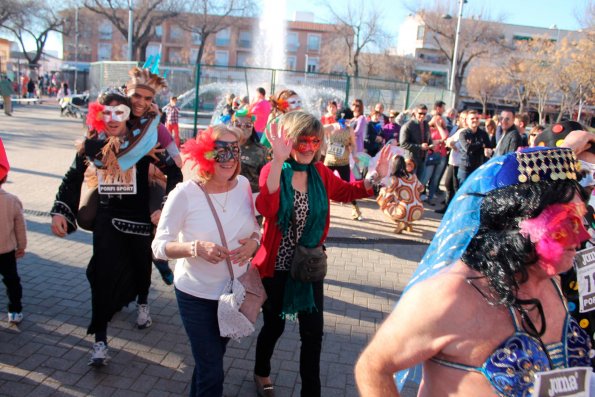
{"type": "Point", "coordinates": [226, 151]}
{"type": "Point", "coordinates": [306, 143]}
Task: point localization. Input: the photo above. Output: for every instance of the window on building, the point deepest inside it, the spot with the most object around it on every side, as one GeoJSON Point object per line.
{"type": "Point", "coordinates": [105, 30]}
{"type": "Point", "coordinates": [174, 55]}
{"type": "Point", "coordinates": [291, 63]}
{"type": "Point", "coordinates": [196, 39]}
{"type": "Point", "coordinates": [312, 65]}
{"type": "Point", "coordinates": [175, 32]}
{"type": "Point", "coordinates": [221, 58]}
{"type": "Point", "coordinates": [159, 31]}
{"type": "Point", "coordinates": [104, 51]}
{"type": "Point", "coordinates": [152, 50]}
{"type": "Point", "coordinates": [222, 38]}
{"type": "Point", "coordinates": [313, 42]}
{"type": "Point", "coordinates": [293, 42]}
{"type": "Point", "coordinates": [242, 58]}
{"type": "Point", "coordinates": [421, 30]}
{"type": "Point", "coordinates": [245, 39]}
{"type": "Point", "coordinates": [193, 55]}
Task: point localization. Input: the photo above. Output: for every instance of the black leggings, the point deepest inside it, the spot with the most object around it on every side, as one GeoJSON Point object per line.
{"type": "Point", "coordinates": [10, 277]}
{"type": "Point", "coordinates": [311, 331]}
{"type": "Point", "coordinates": [344, 173]}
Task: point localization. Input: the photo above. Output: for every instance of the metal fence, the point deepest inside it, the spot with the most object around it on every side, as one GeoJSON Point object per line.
{"type": "Point", "coordinates": [315, 89]}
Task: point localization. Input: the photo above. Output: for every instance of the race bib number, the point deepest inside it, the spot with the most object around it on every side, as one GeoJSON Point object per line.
{"type": "Point", "coordinates": [336, 149]}
{"type": "Point", "coordinates": [567, 382]}
{"type": "Point", "coordinates": [116, 185]}
{"type": "Point", "coordinates": [585, 274]}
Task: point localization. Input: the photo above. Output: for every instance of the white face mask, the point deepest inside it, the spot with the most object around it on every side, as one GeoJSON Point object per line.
{"type": "Point", "coordinates": [588, 169]}
{"type": "Point", "coordinates": [116, 113]}
{"type": "Point", "coordinates": [294, 102]}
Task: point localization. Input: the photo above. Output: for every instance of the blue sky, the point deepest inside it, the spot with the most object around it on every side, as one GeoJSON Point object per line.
{"type": "Point", "coordinates": [540, 13]}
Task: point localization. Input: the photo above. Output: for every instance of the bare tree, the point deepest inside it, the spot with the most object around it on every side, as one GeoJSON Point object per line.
{"type": "Point", "coordinates": [541, 75]}
{"type": "Point", "coordinates": [204, 18]}
{"type": "Point", "coordinates": [147, 15]}
{"type": "Point", "coordinates": [478, 38]}
{"type": "Point", "coordinates": [483, 83]}
{"type": "Point", "coordinates": [358, 24]}
{"type": "Point", "coordinates": [11, 10]}
{"type": "Point", "coordinates": [34, 24]}
{"type": "Point", "coordinates": [515, 75]}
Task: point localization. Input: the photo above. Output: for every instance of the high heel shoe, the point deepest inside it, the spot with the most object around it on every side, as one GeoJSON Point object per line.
{"type": "Point", "coordinates": [267, 390]}
{"type": "Point", "coordinates": [356, 214]}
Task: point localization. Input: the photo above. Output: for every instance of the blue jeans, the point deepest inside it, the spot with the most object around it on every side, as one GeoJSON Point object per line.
{"type": "Point", "coordinates": [432, 175]}
{"type": "Point", "coordinates": [199, 317]}
{"type": "Point", "coordinates": [462, 175]}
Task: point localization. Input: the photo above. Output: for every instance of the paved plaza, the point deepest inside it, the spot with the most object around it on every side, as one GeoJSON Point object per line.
{"type": "Point", "coordinates": [46, 355]}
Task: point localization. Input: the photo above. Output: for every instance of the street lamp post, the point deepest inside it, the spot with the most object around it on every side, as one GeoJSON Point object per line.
{"type": "Point", "coordinates": [130, 27]}
{"type": "Point", "coordinates": [456, 49]}
{"type": "Point", "coordinates": [76, 47]}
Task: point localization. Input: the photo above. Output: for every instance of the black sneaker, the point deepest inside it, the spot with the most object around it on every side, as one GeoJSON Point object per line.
{"type": "Point", "coordinates": [441, 210]}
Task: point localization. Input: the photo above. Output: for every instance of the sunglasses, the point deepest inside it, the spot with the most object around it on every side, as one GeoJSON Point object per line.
{"type": "Point", "coordinates": [242, 125]}
{"type": "Point", "coordinates": [226, 151]}
{"type": "Point", "coordinates": [422, 113]}
{"type": "Point", "coordinates": [308, 143]}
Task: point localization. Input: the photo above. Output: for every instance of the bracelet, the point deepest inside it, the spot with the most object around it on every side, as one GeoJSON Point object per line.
{"type": "Point", "coordinates": [193, 249]}
{"type": "Point", "coordinates": [257, 239]}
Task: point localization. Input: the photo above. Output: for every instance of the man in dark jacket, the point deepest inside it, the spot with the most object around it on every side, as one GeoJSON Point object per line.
{"type": "Point", "coordinates": [473, 140]}
{"type": "Point", "coordinates": [415, 138]}
{"type": "Point", "coordinates": [507, 136]}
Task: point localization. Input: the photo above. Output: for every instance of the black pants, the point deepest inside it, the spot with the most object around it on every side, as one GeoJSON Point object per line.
{"type": "Point", "coordinates": [452, 183]}
{"type": "Point", "coordinates": [344, 173]}
{"type": "Point", "coordinates": [10, 277]}
{"type": "Point", "coordinates": [119, 271]}
{"type": "Point", "coordinates": [311, 326]}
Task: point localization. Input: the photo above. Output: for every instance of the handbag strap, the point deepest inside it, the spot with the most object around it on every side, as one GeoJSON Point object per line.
{"type": "Point", "coordinates": [219, 227]}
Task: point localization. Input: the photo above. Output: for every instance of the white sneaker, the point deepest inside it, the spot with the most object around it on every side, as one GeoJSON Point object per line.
{"type": "Point", "coordinates": [143, 320]}
{"type": "Point", "coordinates": [99, 355]}
{"type": "Point", "coordinates": [14, 317]}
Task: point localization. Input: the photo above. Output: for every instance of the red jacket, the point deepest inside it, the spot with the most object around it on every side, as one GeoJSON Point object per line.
{"type": "Point", "coordinates": [267, 204]}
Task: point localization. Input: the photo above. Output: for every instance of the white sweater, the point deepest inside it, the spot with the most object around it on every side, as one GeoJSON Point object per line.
{"type": "Point", "coordinates": [187, 216]}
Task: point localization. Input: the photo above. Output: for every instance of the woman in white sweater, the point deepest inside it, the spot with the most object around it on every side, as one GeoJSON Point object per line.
{"type": "Point", "coordinates": [187, 231]}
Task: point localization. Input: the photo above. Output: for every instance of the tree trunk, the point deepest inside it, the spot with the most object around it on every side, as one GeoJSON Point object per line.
{"type": "Point", "coordinates": [142, 52]}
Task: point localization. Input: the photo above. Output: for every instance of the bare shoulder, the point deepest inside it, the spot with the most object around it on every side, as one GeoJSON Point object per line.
{"type": "Point", "coordinates": [444, 294]}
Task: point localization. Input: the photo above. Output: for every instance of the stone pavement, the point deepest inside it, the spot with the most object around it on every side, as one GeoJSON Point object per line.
{"type": "Point", "coordinates": [46, 355]}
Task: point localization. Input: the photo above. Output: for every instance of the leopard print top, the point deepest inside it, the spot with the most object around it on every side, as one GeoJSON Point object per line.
{"type": "Point", "coordinates": [287, 246]}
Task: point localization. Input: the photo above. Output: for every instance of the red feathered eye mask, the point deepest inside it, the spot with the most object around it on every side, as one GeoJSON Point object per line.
{"type": "Point", "coordinates": [558, 227]}
{"type": "Point", "coordinates": [202, 151]}
{"type": "Point", "coordinates": [95, 117]}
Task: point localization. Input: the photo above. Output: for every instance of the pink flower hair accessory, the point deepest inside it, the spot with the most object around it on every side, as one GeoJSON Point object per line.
{"type": "Point", "coordinates": [558, 227]}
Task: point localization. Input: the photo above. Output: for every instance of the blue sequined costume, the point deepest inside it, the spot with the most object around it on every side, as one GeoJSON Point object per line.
{"type": "Point", "coordinates": [511, 368]}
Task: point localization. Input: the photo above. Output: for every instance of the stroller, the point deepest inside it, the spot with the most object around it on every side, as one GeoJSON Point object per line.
{"type": "Point", "coordinates": [74, 106]}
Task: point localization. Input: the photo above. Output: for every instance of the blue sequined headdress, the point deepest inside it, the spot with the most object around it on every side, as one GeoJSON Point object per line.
{"type": "Point", "coordinates": [461, 220]}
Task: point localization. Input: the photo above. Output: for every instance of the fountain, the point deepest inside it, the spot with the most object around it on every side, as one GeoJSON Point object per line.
{"type": "Point", "coordinates": [269, 47]}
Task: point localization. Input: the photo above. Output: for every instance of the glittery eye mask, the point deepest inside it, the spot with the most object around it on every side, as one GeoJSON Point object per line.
{"type": "Point", "coordinates": [116, 113]}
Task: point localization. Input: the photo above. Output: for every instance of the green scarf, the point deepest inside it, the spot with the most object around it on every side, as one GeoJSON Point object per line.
{"type": "Point", "coordinates": [299, 296]}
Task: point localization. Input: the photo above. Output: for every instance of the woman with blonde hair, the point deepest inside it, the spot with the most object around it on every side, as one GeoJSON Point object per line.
{"type": "Point", "coordinates": [188, 232]}
{"type": "Point", "coordinates": [295, 189]}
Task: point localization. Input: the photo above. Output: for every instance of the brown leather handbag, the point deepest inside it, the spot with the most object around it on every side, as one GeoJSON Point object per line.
{"type": "Point", "coordinates": [255, 293]}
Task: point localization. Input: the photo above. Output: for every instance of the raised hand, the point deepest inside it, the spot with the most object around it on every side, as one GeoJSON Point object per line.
{"type": "Point", "coordinates": [280, 144]}
{"type": "Point", "coordinates": [383, 161]}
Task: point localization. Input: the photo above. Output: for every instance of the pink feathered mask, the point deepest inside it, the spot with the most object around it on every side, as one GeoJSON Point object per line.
{"type": "Point", "coordinates": [558, 227]}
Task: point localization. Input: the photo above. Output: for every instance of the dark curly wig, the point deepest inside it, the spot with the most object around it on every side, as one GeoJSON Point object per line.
{"type": "Point", "coordinates": [498, 251]}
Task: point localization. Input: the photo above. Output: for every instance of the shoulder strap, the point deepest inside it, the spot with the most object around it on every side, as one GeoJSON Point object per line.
{"type": "Point", "coordinates": [219, 227]}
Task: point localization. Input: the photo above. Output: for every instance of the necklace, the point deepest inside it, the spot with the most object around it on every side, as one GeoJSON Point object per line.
{"type": "Point", "coordinates": [224, 201]}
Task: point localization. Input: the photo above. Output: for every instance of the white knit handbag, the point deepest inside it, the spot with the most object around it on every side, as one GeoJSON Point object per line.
{"type": "Point", "coordinates": [232, 323]}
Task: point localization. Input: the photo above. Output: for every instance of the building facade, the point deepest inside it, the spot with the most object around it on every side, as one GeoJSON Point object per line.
{"type": "Point", "coordinates": [236, 45]}
{"type": "Point", "coordinates": [416, 41]}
